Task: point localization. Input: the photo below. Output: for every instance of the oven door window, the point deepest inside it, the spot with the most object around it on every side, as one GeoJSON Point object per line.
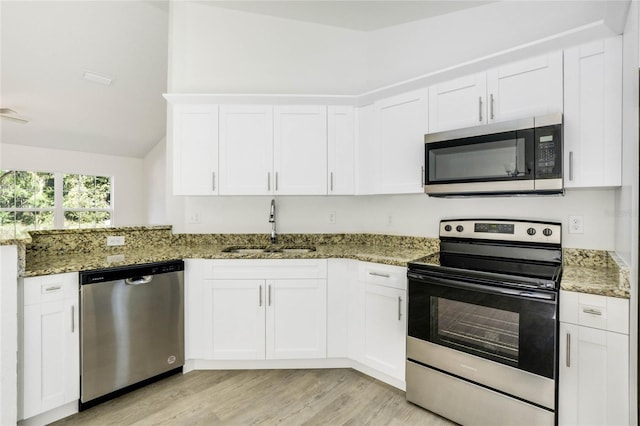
{"type": "Point", "coordinates": [517, 331]}
{"type": "Point", "coordinates": [487, 332]}
{"type": "Point", "coordinates": [498, 157]}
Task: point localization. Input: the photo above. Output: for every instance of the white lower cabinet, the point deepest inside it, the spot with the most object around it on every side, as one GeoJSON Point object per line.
{"type": "Point", "coordinates": [383, 320]}
{"type": "Point", "coordinates": [49, 375]}
{"type": "Point", "coordinates": [594, 360]}
{"type": "Point", "coordinates": [256, 309]}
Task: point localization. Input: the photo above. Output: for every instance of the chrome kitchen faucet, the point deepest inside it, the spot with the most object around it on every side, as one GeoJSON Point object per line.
{"type": "Point", "coordinates": [272, 221]}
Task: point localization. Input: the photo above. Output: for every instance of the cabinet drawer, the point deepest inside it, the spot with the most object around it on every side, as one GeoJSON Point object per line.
{"type": "Point", "coordinates": [591, 310]}
{"type": "Point", "coordinates": [50, 288]}
{"type": "Point", "coordinates": [266, 269]}
{"type": "Point", "coordinates": [386, 275]}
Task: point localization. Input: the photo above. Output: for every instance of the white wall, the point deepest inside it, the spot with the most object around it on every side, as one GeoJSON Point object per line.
{"type": "Point", "coordinates": [409, 214]}
{"type": "Point", "coordinates": [128, 174]}
{"type": "Point", "coordinates": [217, 50]}
{"type": "Point", "coordinates": [405, 51]}
{"type": "Point", "coordinates": [155, 175]}
{"type": "Point", "coordinates": [627, 197]}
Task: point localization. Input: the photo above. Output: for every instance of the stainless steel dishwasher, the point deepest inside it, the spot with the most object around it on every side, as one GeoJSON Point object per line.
{"type": "Point", "coordinates": [131, 328]}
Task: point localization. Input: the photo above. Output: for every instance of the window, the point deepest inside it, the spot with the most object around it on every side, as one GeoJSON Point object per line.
{"type": "Point", "coordinates": [35, 200]}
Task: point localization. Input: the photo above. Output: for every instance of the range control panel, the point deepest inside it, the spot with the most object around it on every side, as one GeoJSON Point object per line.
{"type": "Point", "coordinates": [503, 230]}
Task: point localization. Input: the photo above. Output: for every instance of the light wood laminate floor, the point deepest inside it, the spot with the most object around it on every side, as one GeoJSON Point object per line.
{"type": "Point", "coordinates": [242, 397]}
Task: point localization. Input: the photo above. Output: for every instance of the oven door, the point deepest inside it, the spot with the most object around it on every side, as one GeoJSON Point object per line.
{"type": "Point", "coordinates": [513, 327]}
{"type": "Point", "coordinates": [500, 339]}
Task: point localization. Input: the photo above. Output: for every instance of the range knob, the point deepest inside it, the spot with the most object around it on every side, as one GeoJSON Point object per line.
{"type": "Point", "coordinates": [547, 232]}
{"type": "Point", "coordinates": [459, 228]}
{"type": "Point", "coordinates": [447, 228]}
{"type": "Point", "coordinates": [531, 231]}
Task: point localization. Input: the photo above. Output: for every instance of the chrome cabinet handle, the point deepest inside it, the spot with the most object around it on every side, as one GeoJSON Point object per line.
{"type": "Point", "coordinates": [213, 181]}
{"type": "Point", "coordinates": [568, 360]}
{"type": "Point", "coordinates": [399, 308]}
{"type": "Point", "coordinates": [570, 165]}
{"type": "Point", "coordinates": [331, 181]}
{"type": "Point", "coordinates": [491, 116]}
{"type": "Point", "coordinates": [480, 109]}
{"type": "Point", "coordinates": [53, 288]}
{"type": "Point", "coordinates": [380, 274]}
{"type": "Point", "coordinates": [269, 295]}
{"type": "Point", "coordinates": [268, 181]}
{"type": "Point", "coordinates": [276, 181]}
{"type": "Point", "coordinates": [591, 311]}
{"type": "Point", "coordinates": [73, 318]}
{"type": "Point", "coordinates": [260, 296]}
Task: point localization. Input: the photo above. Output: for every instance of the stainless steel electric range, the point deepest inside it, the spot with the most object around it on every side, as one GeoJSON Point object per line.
{"type": "Point", "coordinates": [483, 323]}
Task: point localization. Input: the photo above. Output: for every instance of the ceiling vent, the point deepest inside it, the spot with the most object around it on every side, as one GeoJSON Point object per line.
{"type": "Point", "coordinates": [97, 78]}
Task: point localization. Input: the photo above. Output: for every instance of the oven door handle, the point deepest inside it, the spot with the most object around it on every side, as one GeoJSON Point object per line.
{"type": "Point", "coordinates": [513, 292]}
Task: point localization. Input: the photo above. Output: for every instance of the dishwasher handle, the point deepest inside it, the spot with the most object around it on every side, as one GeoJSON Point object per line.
{"type": "Point", "coordinates": [145, 279]}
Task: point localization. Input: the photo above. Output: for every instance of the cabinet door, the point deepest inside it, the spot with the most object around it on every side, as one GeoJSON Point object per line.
{"type": "Point", "coordinates": [296, 319]}
{"type": "Point", "coordinates": [50, 355]}
{"type": "Point", "coordinates": [400, 126]}
{"type": "Point", "coordinates": [300, 150]}
{"type": "Point", "coordinates": [237, 319]}
{"type": "Point", "coordinates": [594, 379]}
{"type": "Point", "coordinates": [195, 150]}
{"type": "Point", "coordinates": [526, 88]}
{"type": "Point", "coordinates": [340, 149]}
{"type": "Point", "coordinates": [246, 150]}
{"type": "Point", "coordinates": [593, 114]}
{"type": "Point", "coordinates": [458, 103]}
{"type": "Point", "coordinates": [385, 329]}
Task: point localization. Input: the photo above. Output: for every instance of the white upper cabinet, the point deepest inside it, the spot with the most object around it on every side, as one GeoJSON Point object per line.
{"type": "Point", "coordinates": [593, 114]}
{"type": "Point", "coordinates": [520, 89]}
{"type": "Point", "coordinates": [195, 150]}
{"type": "Point", "coordinates": [400, 123]}
{"type": "Point", "coordinates": [458, 103]}
{"type": "Point", "coordinates": [246, 149]}
{"type": "Point", "coordinates": [300, 150]}
{"type": "Point", "coordinates": [340, 150]}
{"type": "Point", "coordinates": [526, 88]}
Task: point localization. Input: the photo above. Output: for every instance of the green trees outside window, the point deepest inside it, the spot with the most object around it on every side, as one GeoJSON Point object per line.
{"type": "Point", "coordinates": [40, 200]}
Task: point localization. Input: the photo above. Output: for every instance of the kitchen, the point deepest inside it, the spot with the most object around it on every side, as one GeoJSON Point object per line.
{"type": "Point", "coordinates": [608, 214]}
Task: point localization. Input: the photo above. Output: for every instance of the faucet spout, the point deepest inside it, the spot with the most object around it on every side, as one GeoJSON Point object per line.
{"type": "Point", "coordinates": [272, 221]}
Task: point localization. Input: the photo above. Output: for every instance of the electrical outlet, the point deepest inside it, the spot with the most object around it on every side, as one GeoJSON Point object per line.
{"type": "Point", "coordinates": [194, 217]}
{"type": "Point", "coordinates": [113, 240]}
{"type": "Point", "coordinates": [575, 225]}
{"type": "Point", "coordinates": [332, 217]}
{"type": "Point", "coordinates": [389, 220]}
{"type": "Point", "coordinates": [115, 258]}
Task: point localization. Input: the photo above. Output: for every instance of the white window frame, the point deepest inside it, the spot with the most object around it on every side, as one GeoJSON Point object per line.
{"type": "Point", "coordinates": [58, 194]}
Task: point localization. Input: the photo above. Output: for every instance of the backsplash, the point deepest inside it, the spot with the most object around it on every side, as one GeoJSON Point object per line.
{"type": "Point", "coordinates": [91, 240]}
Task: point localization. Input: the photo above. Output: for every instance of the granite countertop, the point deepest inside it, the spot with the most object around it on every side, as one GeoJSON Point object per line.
{"type": "Point", "coordinates": [72, 262]}
{"type": "Point", "coordinates": [51, 252]}
{"type": "Point", "coordinates": [61, 255]}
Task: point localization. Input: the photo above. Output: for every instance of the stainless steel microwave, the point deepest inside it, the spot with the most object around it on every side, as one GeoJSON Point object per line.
{"type": "Point", "coordinates": [512, 157]}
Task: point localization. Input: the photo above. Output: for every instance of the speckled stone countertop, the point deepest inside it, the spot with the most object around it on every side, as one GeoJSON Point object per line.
{"type": "Point", "coordinates": [51, 252]}
{"type": "Point", "coordinates": [596, 272]}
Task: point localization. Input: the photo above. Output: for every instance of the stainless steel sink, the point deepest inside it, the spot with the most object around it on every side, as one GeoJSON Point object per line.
{"type": "Point", "coordinates": [296, 249]}
{"type": "Point", "coordinates": [244, 250]}
{"type": "Point", "coordinates": [273, 249]}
